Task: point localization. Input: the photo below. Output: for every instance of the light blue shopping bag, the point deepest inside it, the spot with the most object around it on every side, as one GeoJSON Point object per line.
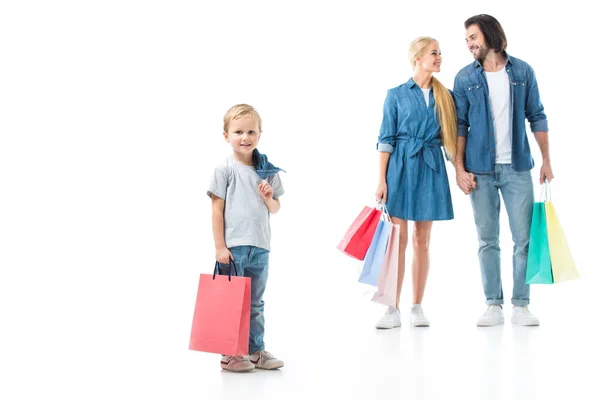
{"type": "Point", "coordinates": [376, 252]}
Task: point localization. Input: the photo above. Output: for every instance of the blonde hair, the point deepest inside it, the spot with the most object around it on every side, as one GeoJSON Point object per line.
{"type": "Point", "coordinates": [445, 109]}
{"type": "Point", "coordinates": [238, 111]}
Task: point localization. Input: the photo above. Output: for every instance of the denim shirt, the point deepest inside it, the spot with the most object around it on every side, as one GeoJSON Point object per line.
{"type": "Point", "coordinates": [476, 121]}
{"type": "Point", "coordinates": [264, 168]}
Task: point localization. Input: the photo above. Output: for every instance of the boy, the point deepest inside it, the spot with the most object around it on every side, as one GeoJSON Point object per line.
{"type": "Point", "coordinates": [244, 190]}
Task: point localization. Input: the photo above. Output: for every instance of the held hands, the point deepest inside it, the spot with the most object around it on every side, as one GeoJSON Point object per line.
{"type": "Point", "coordinates": [381, 193]}
{"type": "Point", "coordinates": [266, 191]}
{"type": "Point", "coordinates": [465, 181]}
{"type": "Point", "coordinates": [223, 255]}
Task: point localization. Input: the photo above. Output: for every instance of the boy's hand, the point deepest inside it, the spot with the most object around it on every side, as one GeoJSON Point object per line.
{"type": "Point", "coordinates": [266, 191]}
{"type": "Point", "coordinates": [223, 255]}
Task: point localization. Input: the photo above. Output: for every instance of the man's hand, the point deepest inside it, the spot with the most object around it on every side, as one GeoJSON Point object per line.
{"type": "Point", "coordinates": [546, 173]}
{"type": "Point", "coordinates": [465, 181]}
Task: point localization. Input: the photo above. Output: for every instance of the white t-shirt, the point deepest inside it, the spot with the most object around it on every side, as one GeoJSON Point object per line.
{"type": "Point", "coordinates": [499, 85]}
{"type": "Point", "coordinates": [426, 95]}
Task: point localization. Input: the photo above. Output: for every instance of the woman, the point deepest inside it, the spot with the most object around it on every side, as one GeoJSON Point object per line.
{"type": "Point", "coordinates": [419, 117]}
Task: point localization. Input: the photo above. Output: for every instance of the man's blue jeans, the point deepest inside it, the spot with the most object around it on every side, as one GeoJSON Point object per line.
{"type": "Point", "coordinates": [517, 193]}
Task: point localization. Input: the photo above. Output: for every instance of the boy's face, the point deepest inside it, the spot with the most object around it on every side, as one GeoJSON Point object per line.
{"type": "Point", "coordinates": [243, 134]}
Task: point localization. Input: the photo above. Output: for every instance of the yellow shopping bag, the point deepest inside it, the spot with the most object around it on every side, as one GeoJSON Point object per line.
{"type": "Point", "coordinates": [563, 266]}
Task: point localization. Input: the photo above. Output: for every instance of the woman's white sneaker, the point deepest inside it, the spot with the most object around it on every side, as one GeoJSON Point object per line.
{"type": "Point", "coordinates": [391, 319]}
{"type": "Point", "coordinates": [417, 318]}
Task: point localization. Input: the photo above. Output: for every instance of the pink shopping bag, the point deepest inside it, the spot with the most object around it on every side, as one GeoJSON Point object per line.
{"type": "Point", "coordinates": [221, 321]}
{"type": "Point", "coordinates": [387, 284]}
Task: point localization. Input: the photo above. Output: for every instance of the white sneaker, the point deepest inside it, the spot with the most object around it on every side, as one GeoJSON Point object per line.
{"type": "Point", "coordinates": [236, 363]}
{"type": "Point", "coordinates": [522, 316]}
{"type": "Point", "coordinates": [391, 319]}
{"type": "Point", "coordinates": [265, 360]}
{"type": "Point", "coordinates": [493, 316]}
{"type": "Point", "coordinates": [416, 316]}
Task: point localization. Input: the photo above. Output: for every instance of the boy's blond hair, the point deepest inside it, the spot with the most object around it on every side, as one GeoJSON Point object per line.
{"type": "Point", "coordinates": [238, 111]}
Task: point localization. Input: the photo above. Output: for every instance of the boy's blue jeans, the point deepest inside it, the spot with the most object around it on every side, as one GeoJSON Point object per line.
{"type": "Point", "coordinates": [517, 192]}
{"type": "Point", "coordinates": [253, 262]}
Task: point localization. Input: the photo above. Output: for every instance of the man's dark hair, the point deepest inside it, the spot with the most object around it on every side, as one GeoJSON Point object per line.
{"type": "Point", "coordinates": [491, 29]}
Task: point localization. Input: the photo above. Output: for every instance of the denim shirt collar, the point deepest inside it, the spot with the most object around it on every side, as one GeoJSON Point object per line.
{"type": "Point", "coordinates": [411, 83]}
{"type": "Point", "coordinates": [477, 64]}
{"type": "Point", "coordinates": [263, 167]}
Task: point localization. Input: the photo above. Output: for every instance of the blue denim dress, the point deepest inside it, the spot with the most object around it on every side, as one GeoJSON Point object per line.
{"type": "Point", "coordinates": [417, 180]}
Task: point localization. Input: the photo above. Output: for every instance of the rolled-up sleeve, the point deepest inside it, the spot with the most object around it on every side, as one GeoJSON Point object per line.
{"type": "Point", "coordinates": [387, 134]}
{"type": "Point", "coordinates": [534, 109]}
{"type": "Point", "coordinates": [462, 107]}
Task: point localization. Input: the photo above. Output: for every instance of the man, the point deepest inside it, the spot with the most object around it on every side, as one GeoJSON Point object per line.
{"type": "Point", "coordinates": [493, 97]}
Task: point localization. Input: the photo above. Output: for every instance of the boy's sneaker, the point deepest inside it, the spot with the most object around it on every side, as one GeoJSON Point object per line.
{"type": "Point", "coordinates": [391, 319]}
{"type": "Point", "coordinates": [417, 318]}
{"type": "Point", "coordinates": [522, 316]}
{"type": "Point", "coordinates": [493, 316]}
{"type": "Point", "coordinates": [264, 360]}
{"type": "Point", "coordinates": [236, 363]}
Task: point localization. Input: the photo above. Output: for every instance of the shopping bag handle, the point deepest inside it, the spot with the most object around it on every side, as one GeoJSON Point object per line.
{"type": "Point", "coordinates": [218, 269]}
{"type": "Point", "coordinates": [385, 212]}
{"type": "Point", "coordinates": [545, 192]}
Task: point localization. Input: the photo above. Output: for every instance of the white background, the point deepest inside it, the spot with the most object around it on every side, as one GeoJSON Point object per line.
{"type": "Point", "coordinates": [110, 123]}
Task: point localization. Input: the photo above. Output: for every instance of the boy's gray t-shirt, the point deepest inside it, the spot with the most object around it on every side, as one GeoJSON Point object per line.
{"type": "Point", "coordinates": [246, 217]}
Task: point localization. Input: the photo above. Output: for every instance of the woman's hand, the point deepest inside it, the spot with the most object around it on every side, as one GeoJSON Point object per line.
{"type": "Point", "coordinates": [381, 193]}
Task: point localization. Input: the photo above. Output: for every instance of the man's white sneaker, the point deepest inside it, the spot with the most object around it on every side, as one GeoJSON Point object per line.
{"type": "Point", "coordinates": [236, 363]}
{"type": "Point", "coordinates": [416, 316]}
{"type": "Point", "coordinates": [522, 316]}
{"type": "Point", "coordinates": [391, 319]}
{"type": "Point", "coordinates": [494, 315]}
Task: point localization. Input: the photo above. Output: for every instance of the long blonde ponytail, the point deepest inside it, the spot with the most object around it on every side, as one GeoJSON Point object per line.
{"type": "Point", "coordinates": [445, 111]}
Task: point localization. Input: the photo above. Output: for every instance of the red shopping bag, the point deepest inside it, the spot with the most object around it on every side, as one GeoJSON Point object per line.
{"type": "Point", "coordinates": [221, 321]}
{"type": "Point", "coordinates": [359, 236]}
